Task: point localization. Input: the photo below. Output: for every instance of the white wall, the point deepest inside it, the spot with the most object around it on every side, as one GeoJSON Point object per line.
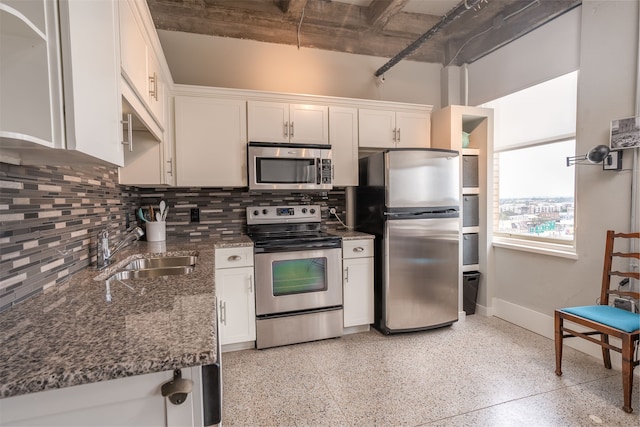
{"type": "Point", "coordinates": [244, 64]}
{"type": "Point", "coordinates": [528, 287]}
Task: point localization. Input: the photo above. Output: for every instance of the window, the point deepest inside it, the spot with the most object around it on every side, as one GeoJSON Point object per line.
{"type": "Point", "coordinates": [534, 132]}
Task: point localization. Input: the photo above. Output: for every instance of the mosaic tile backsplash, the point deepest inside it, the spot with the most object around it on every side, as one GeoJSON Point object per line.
{"type": "Point", "coordinates": [49, 218]}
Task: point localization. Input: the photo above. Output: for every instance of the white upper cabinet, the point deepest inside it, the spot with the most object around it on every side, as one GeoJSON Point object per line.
{"type": "Point", "coordinates": [413, 130]}
{"type": "Point", "coordinates": [391, 129]}
{"type": "Point", "coordinates": [133, 49]}
{"type": "Point", "coordinates": [343, 135]}
{"type": "Point", "coordinates": [211, 142]}
{"type": "Point", "coordinates": [288, 123]}
{"type": "Point", "coordinates": [144, 95]}
{"type": "Point", "coordinates": [143, 85]}
{"type": "Point", "coordinates": [91, 75]}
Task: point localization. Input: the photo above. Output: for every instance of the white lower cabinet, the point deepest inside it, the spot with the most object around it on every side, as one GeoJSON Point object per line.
{"type": "Point", "coordinates": [131, 401]}
{"type": "Point", "coordinates": [236, 295]}
{"type": "Point", "coordinates": [357, 264]}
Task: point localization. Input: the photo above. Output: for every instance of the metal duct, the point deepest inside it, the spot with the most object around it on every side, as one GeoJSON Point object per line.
{"type": "Point", "coordinates": [448, 17]}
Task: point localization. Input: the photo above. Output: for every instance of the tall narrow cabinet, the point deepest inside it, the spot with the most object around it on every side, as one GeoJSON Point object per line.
{"type": "Point", "coordinates": [451, 127]}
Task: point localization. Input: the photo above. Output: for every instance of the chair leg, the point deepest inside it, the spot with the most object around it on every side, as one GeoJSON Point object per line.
{"type": "Point", "coordinates": [627, 372]}
{"type": "Point", "coordinates": [558, 335]}
{"type": "Point", "coordinates": [606, 353]}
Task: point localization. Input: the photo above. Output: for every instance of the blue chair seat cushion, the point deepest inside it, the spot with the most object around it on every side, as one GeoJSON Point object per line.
{"type": "Point", "coordinates": [614, 317]}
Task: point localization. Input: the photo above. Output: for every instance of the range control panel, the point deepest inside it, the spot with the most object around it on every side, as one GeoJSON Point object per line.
{"type": "Point", "coordinates": [282, 214]}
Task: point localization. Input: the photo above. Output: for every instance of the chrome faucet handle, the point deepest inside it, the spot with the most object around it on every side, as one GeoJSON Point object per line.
{"type": "Point", "coordinates": [103, 250]}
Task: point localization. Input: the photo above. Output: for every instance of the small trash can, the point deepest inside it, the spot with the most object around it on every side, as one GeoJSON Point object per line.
{"type": "Point", "coordinates": [470, 282]}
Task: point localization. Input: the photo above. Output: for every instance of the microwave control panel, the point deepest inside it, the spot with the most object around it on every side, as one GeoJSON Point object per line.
{"type": "Point", "coordinates": [325, 171]}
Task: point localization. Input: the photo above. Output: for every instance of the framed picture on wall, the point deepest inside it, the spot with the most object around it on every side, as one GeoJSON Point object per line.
{"type": "Point", "coordinates": [625, 133]}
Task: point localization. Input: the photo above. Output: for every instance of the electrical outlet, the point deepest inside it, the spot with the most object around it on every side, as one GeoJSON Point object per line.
{"type": "Point", "coordinates": [195, 215]}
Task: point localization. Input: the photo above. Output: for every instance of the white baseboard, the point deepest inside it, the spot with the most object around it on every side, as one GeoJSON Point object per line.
{"type": "Point", "coordinates": [543, 324]}
{"type": "Point", "coordinates": [355, 329]}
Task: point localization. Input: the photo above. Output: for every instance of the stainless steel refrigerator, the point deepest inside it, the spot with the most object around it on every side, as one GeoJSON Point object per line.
{"type": "Point", "coordinates": [409, 199]}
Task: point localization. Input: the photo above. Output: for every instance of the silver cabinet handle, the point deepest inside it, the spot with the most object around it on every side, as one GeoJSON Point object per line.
{"type": "Point", "coordinates": [358, 249]}
{"type": "Point", "coordinates": [223, 312]}
{"type": "Point", "coordinates": [291, 127]}
{"type": "Point", "coordinates": [346, 274]}
{"type": "Point", "coordinates": [286, 128]}
{"type": "Point", "coordinates": [250, 283]}
{"type": "Point", "coordinates": [129, 124]}
{"type": "Point", "coordinates": [153, 83]}
{"type": "Point", "coordinates": [234, 258]}
{"type": "Point", "coordinates": [170, 171]}
{"type": "Point", "coordinates": [398, 134]}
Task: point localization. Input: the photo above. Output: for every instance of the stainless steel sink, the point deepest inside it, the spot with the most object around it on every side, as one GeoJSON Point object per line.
{"type": "Point", "coordinates": [162, 262]}
{"type": "Point", "coordinates": [147, 273]}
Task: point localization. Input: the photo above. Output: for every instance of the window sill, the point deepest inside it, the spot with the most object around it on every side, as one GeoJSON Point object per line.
{"type": "Point", "coordinates": [543, 248]}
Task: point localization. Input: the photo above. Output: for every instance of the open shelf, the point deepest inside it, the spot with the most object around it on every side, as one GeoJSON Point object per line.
{"type": "Point", "coordinates": [29, 103]}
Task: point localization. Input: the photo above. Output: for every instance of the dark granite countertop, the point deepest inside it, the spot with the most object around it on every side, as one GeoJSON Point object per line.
{"type": "Point", "coordinates": [69, 335]}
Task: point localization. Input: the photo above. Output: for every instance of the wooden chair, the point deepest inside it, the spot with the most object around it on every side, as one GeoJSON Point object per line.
{"type": "Point", "coordinates": [605, 320]}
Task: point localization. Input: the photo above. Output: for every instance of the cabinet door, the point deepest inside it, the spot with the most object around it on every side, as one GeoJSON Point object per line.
{"type": "Point", "coordinates": [308, 124]}
{"type": "Point", "coordinates": [156, 89]}
{"type": "Point", "coordinates": [268, 121]}
{"type": "Point", "coordinates": [376, 128]}
{"type": "Point", "coordinates": [211, 142]}
{"type": "Point", "coordinates": [413, 130]}
{"type": "Point", "coordinates": [133, 50]}
{"type": "Point", "coordinates": [343, 132]}
{"type": "Point", "coordinates": [358, 291]}
{"type": "Point", "coordinates": [127, 401]}
{"type": "Point", "coordinates": [91, 73]}
{"type": "Point", "coordinates": [236, 305]}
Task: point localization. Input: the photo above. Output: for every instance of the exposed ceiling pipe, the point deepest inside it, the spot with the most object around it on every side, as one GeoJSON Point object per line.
{"type": "Point", "coordinates": [448, 17]}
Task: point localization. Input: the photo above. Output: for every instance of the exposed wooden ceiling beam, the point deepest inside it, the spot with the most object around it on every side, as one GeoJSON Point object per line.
{"type": "Point", "coordinates": [381, 29]}
{"type": "Point", "coordinates": [381, 11]}
{"type": "Point", "coordinates": [292, 8]}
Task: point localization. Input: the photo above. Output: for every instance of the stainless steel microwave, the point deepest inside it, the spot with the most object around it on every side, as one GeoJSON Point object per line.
{"type": "Point", "coordinates": [300, 167]}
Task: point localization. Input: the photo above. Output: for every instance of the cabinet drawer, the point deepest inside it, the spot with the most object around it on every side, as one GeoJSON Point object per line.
{"type": "Point", "coordinates": [234, 257]}
{"type": "Point", "coordinates": [357, 248]}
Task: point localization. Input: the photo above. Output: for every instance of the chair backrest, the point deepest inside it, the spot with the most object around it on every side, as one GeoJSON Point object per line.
{"type": "Point", "coordinates": [609, 255]}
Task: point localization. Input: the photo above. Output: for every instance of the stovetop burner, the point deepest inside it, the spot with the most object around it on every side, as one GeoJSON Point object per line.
{"type": "Point", "coordinates": [279, 228]}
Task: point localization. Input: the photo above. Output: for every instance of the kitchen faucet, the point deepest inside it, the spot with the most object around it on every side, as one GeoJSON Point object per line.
{"type": "Point", "coordinates": [105, 252]}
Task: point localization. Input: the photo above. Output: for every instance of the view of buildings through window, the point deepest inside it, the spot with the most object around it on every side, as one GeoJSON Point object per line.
{"type": "Point", "coordinates": [534, 189]}
{"type": "Point", "coordinates": [535, 193]}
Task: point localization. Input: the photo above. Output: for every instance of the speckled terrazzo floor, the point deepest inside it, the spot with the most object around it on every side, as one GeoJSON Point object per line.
{"type": "Point", "coordinates": [480, 372]}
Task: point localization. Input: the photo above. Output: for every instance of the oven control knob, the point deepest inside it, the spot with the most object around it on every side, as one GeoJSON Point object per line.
{"type": "Point", "coordinates": [265, 211]}
{"type": "Point", "coordinates": [304, 210]}
{"type": "Point", "coordinates": [256, 213]}
{"type": "Point", "coordinates": [312, 211]}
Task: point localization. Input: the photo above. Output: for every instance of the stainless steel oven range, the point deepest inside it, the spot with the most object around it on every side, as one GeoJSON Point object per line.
{"type": "Point", "coordinates": [298, 275]}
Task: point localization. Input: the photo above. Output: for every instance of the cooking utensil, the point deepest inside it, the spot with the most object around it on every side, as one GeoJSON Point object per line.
{"type": "Point", "coordinates": [163, 206]}
{"type": "Point", "coordinates": [152, 214]}
{"type": "Point", "coordinates": [164, 213]}
{"type": "Point", "coordinates": [141, 215]}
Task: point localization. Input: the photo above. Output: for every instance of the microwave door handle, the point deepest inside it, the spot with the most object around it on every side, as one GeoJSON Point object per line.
{"type": "Point", "coordinates": [319, 169]}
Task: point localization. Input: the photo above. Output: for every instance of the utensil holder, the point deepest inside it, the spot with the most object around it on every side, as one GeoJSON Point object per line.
{"type": "Point", "coordinates": [156, 231]}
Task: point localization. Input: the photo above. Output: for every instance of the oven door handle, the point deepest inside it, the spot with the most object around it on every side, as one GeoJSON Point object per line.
{"type": "Point", "coordinates": [294, 248]}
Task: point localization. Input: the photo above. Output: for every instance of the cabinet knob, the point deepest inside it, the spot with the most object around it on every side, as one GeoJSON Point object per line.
{"type": "Point", "coordinates": [358, 249]}
{"type": "Point", "coordinates": [234, 258]}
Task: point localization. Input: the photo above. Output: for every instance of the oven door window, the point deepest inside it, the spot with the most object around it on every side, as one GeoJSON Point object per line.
{"type": "Point", "coordinates": [298, 276]}
{"type": "Point", "coordinates": [285, 171]}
